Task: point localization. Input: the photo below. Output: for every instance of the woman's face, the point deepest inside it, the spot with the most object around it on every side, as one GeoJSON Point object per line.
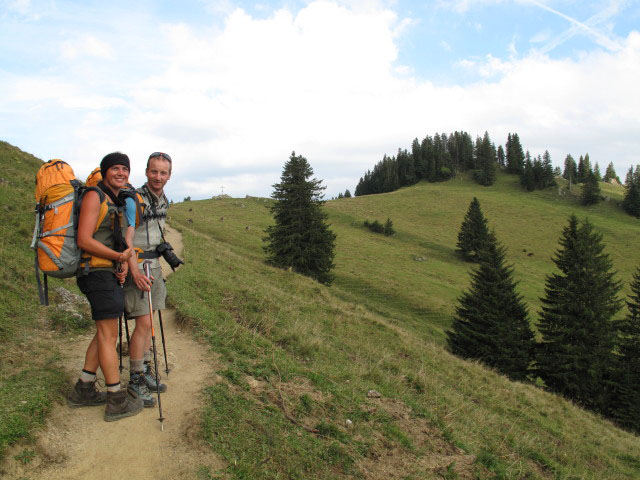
{"type": "Point", "coordinates": [117, 176]}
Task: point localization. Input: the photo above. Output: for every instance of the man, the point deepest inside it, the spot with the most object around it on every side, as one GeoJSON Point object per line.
{"type": "Point", "coordinates": [147, 236]}
{"type": "Point", "coordinates": [103, 266]}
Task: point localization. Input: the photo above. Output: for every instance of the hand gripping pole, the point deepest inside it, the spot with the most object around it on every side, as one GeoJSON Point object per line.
{"type": "Point", "coordinates": [147, 271]}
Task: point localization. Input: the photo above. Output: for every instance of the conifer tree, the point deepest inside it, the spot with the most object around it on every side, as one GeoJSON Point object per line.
{"type": "Point", "coordinates": [625, 407]}
{"type": "Point", "coordinates": [388, 228]}
{"type": "Point", "coordinates": [631, 200]}
{"type": "Point", "coordinates": [548, 175]}
{"type": "Point", "coordinates": [584, 167]}
{"type": "Point", "coordinates": [491, 323]}
{"type": "Point", "coordinates": [590, 189]}
{"type": "Point", "coordinates": [514, 154]}
{"type": "Point", "coordinates": [300, 238]}
{"type": "Point", "coordinates": [596, 172]}
{"type": "Point", "coordinates": [570, 169]}
{"type": "Point", "coordinates": [501, 157]}
{"type": "Point", "coordinates": [486, 161]}
{"type": "Point", "coordinates": [474, 233]}
{"type": "Point", "coordinates": [610, 174]}
{"type": "Point", "coordinates": [528, 177]}
{"type": "Point", "coordinates": [347, 193]}
{"type": "Point", "coordinates": [578, 338]}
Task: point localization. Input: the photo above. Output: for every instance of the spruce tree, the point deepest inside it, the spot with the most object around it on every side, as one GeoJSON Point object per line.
{"type": "Point", "coordinates": [388, 228]}
{"type": "Point", "coordinates": [570, 169]}
{"type": "Point", "coordinates": [625, 407]}
{"type": "Point", "coordinates": [631, 200]}
{"type": "Point", "coordinates": [610, 174]}
{"type": "Point", "coordinates": [548, 176]}
{"type": "Point", "coordinates": [300, 238]}
{"type": "Point", "coordinates": [528, 177]}
{"type": "Point", "coordinates": [474, 233]}
{"type": "Point", "coordinates": [590, 189]}
{"type": "Point", "coordinates": [514, 154]}
{"type": "Point", "coordinates": [596, 172]}
{"type": "Point", "coordinates": [347, 193]}
{"type": "Point", "coordinates": [491, 323]}
{"type": "Point", "coordinates": [501, 157]}
{"type": "Point", "coordinates": [578, 338]}
{"type": "Point", "coordinates": [486, 161]}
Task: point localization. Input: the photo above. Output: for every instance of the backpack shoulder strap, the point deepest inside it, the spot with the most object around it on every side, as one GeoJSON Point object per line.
{"type": "Point", "coordinates": [104, 208]}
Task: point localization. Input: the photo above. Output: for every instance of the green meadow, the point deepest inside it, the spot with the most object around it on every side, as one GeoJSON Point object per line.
{"type": "Point", "coordinates": [299, 357]}
{"type": "Point", "coordinates": [29, 378]}
{"type": "Point", "coordinates": [351, 380]}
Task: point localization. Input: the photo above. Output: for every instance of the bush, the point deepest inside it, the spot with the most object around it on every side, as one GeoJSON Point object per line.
{"type": "Point", "coordinates": [374, 226]}
{"type": "Point", "coordinates": [378, 227]}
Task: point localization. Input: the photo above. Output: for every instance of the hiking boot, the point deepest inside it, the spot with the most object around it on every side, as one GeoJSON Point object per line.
{"type": "Point", "coordinates": [121, 404]}
{"type": "Point", "coordinates": [150, 379]}
{"type": "Point", "coordinates": [85, 394]}
{"type": "Point", "coordinates": [139, 387]}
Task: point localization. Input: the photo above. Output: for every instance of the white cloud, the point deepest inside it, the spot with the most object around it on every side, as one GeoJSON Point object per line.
{"type": "Point", "coordinates": [445, 46]}
{"type": "Point", "coordinates": [490, 67]}
{"type": "Point", "coordinates": [19, 6]}
{"type": "Point", "coordinates": [86, 46]}
{"type": "Point", "coordinates": [230, 104]}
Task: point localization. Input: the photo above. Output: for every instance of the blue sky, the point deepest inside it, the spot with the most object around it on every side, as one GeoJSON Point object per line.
{"type": "Point", "coordinates": [231, 88]}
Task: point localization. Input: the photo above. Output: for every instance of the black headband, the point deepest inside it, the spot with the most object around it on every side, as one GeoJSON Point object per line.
{"type": "Point", "coordinates": [115, 158]}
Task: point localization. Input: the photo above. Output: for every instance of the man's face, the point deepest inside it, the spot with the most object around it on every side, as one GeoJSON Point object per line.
{"type": "Point", "coordinates": [158, 174]}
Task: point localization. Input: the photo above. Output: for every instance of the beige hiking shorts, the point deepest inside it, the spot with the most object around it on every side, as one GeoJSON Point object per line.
{"type": "Point", "coordinates": [136, 302]}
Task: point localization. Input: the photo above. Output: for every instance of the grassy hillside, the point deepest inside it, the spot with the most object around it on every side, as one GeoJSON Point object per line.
{"type": "Point", "coordinates": [300, 358]}
{"type": "Point", "coordinates": [29, 379]}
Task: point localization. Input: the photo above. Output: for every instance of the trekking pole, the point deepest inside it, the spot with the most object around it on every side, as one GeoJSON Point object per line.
{"type": "Point", "coordinates": [147, 272]}
{"type": "Point", "coordinates": [164, 346]}
{"type": "Point", "coordinates": [120, 340]}
{"type": "Point", "coordinates": [126, 328]}
{"type": "Point", "coordinates": [119, 269]}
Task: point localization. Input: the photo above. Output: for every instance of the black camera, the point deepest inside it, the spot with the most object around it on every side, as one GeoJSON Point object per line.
{"type": "Point", "coordinates": [166, 250]}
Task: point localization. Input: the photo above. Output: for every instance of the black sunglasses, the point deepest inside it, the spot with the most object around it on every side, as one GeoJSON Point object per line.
{"type": "Point", "coordinates": [161, 155]}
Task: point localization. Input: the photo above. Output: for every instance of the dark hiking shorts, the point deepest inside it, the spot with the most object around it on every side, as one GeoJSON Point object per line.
{"type": "Point", "coordinates": [104, 293]}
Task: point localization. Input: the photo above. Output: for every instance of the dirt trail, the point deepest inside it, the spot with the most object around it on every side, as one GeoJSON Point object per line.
{"type": "Point", "coordinates": [77, 444]}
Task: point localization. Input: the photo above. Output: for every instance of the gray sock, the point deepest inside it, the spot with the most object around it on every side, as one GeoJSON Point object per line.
{"type": "Point", "coordinates": [113, 388]}
{"type": "Point", "coordinates": [88, 376]}
{"type": "Point", "coordinates": [135, 366]}
{"type": "Point", "coordinates": [147, 356]}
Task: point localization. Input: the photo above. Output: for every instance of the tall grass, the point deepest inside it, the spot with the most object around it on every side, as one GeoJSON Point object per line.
{"type": "Point", "coordinates": [30, 377]}
{"type": "Point", "coordinates": [299, 358]}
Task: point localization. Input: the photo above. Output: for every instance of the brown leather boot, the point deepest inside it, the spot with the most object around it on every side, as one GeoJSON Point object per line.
{"type": "Point", "coordinates": [85, 394]}
{"type": "Point", "coordinates": [121, 404]}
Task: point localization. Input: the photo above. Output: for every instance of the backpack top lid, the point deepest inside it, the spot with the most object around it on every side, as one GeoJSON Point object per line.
{"type": "Point", "coordinates": [52, 173]}
{"type": "Point", "coordinates": [94, 178]}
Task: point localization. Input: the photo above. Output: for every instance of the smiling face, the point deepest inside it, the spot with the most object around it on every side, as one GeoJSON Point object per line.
{"type": "Point", "coordinates": [116, 177]}
{"type": "Point", "coordinates": [158, 174]}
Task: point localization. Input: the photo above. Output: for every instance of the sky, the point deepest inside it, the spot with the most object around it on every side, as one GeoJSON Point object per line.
{"type": "Point", "coordinates": [231, 88]}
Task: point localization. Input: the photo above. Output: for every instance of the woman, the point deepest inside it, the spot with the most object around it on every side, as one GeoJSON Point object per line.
{"type": "Point", "coordinates": [103, 269]}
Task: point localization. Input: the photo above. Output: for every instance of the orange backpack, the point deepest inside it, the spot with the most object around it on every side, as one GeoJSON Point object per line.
{"type": "Point", "coordinates": [58, 195]}
{"type": "Point", "coordinates": [94, 178]}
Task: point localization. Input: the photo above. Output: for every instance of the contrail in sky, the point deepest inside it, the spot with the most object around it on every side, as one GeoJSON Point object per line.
{"type": "Point", "coordinates": [600, 38]}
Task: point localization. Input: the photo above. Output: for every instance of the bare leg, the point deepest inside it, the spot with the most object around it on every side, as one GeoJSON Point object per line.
{"type": "Point", "coordinates": [141, 334]}
{"type": "Point", "coordinates": [91, 361]}
{"type": "Point", "coordinates": [108, 357]}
